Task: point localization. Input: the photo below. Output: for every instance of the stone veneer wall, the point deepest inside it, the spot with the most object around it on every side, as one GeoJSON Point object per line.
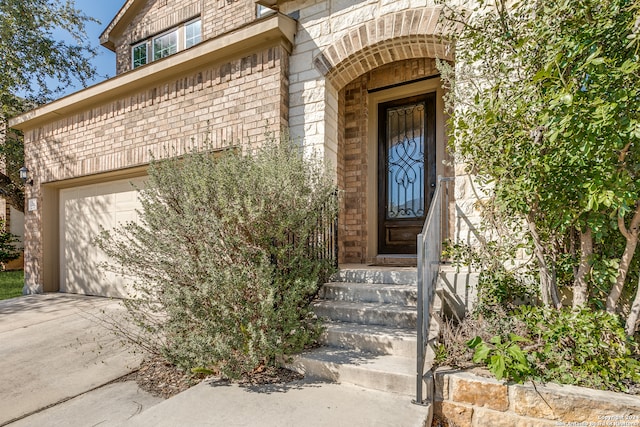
{"type": "Point", "coordinates": [353, 146]}
{"type": "Point", "coordinates": [218, 17]}
{"type": "Point", "coordinates": [468, 400]}
{"type": "Point", "coordinates": [378, 26]}
{"type": "Point", "coordinates": [338, 44]}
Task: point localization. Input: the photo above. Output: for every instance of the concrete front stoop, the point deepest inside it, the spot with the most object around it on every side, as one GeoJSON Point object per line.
{"type": "Point", "coordinates": [370, 337]}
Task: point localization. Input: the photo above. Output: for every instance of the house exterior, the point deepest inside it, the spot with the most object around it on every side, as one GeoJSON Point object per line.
{"type": "Point", "coordinates": [353, 80]}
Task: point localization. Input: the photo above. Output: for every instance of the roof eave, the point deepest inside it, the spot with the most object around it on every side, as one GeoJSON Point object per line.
{"type": "Point", "coordinates": [119, 23]}
{"type": "Point", "coordinates": [266, 31]}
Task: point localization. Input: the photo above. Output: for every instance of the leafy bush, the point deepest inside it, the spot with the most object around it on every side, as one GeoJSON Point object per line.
{"type": "Point", "coordinates": [223, 257]}
{"type": "Point", "coordinates": [581, 347]}
{"type": "Point", "coordinates": [503, 356]}
{"type": "Point", "coordinates": [456, 335]}
{"type": "Point", "coordinates": [503, 280]}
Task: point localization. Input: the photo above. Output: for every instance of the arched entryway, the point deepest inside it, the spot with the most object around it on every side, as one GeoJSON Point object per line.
{"type": "Point", "coordinates": [389, 135]}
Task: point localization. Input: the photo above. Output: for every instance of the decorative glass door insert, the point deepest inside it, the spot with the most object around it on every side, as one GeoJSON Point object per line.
{"type": "Point", "coordinates": [406, 170]}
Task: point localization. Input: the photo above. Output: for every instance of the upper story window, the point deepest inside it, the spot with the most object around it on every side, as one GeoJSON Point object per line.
{"type": "Point", "coordinates": [192, 34]}
{"type": "Point", "coordinates": [139, 54]}
{"type": "Point", "coordinates": [165, 44]}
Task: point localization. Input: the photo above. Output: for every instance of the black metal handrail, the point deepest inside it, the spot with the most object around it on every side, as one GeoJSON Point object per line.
{"type": "Point", "coordinates": [429, 258]}
{"type": "Point", "coordinates": [322, 242]}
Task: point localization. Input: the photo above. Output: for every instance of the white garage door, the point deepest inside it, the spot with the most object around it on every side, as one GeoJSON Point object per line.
{"type": "Point", "coordinates": [83, 210]}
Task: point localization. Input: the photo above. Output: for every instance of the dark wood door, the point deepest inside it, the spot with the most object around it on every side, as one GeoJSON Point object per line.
{"type": "Point", "coordinates": [406, 171]}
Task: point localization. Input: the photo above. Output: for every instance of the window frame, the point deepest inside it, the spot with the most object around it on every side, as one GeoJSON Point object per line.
{"type": "Point", "coordinates": [262, 11]}
{"type": "Point", "coordinates": [199, 35]}
{"type": "Point", "coordinates": [181, 40]}
{"type": "Point", "coordinates": [154, 39]}
{"type": "Point", "coordinates": [133, 54]}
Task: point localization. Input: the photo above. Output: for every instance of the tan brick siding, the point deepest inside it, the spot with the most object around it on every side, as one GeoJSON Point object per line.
{"type": "Point", "coordinates": [222, 16]}
{"type": "Point", "coordinates": [352, 143]}
{"type": "Point", "coordinates": [218, 17]}
{"type": "Point", "coordinates": [228, 102]}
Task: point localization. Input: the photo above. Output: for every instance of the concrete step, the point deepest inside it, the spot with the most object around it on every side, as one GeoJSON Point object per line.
{"type": "Point", "coordinates": [378, 372]}
{"type": "Point", "coordinates": [397, 260]}
{"type": "Point", "coordinates": [395, 315]}
{"type": "Point", "coordinates": [373, 274]}
{"type": "Point", "coordinates": [374, 339]}
{"type": "Point", "coordinates": [370, 292]}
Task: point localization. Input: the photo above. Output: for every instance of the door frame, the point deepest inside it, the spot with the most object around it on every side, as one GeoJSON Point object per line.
{"type": "Point", "coordinates": [429, 178]}
{"type": "Point", "coordinates": [374, 99]}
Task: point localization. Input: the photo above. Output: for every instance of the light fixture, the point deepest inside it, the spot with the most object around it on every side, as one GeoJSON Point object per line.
{"type": "Point", "coordinates": [24, 175]}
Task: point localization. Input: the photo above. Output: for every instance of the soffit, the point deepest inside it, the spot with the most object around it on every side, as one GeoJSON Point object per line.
{"type": "Point", "coordinates": [271, 3]}
{"type": "Point", "coordinates": [275, 29]}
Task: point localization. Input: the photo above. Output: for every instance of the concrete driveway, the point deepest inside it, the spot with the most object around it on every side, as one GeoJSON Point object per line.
{"type": "Point", "coordinates": [54, 347]}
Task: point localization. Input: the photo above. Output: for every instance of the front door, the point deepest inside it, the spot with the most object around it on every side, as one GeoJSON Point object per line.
{"type": "Point", "coordinates": [407, 173]}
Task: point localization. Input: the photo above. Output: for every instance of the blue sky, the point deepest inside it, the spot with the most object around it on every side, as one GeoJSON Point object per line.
{"type": "Point", "coordinates": [104, 11]}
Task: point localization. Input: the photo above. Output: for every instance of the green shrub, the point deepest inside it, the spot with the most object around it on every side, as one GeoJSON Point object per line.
{"type": "Point", "coordinates": [8, 250]}
{"type": "Point", "coordinates": [223, 257]}
{"type": "Point", "coordinates": [503, 356]}
{"type": "Point", "coordinates": [582, 347]}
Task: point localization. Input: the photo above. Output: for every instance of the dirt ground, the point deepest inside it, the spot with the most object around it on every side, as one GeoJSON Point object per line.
{"type": "Point", "coordinates": [162, 379]}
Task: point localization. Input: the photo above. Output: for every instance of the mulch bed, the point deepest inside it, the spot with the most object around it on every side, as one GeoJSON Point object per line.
{"type": "Point", "coordinates": [161, 379]}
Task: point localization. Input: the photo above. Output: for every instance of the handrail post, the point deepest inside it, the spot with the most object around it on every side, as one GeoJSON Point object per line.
{"type": "Point", "coordinates": [419, 322]}
{"type": "Point", "coordinates": [429, 252]}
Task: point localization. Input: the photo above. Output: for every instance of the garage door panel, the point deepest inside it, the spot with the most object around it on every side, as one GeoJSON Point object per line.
{"type": "Point", "coordinates": [126, 202]}
{"type": "Point", "coordinates": [124, 217]}
{"type": "Point", "coordinates": [84, 212]}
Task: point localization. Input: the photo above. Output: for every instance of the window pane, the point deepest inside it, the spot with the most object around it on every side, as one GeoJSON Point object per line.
{"type": "Point", "coordinates": [192, 33]}
{"type": "Point", "coordinates": [165, 45]}
{"type": "Point", "coordinates": [139, 55]}
{"type": "Point", "coordinates": [264, 11]}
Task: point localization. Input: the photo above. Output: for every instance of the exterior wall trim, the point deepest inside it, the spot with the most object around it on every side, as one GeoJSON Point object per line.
{"type": "Point", "coordinates": [263, 32]}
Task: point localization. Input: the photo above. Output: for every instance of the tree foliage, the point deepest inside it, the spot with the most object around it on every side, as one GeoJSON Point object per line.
{"type": "Point", "coordinates": [8, 242]}
{"type": "Point", "coordinates": [224, 257]}
{"type": "Point", "coordinates": [545, 108]}
{"type": "Point", "coordinates": [35, 67]}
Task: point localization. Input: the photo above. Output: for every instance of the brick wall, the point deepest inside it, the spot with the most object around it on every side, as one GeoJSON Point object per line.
{"type": "Point", "coordinates": [353, 145]}
{"type": "Point", "coordinates": [222, 16]}
{"type": "Point", "coordinates": [218, 17]}
{"type": "Point", "coordinates": [227, 102]}
{"type": "Point", "coordinates": [467, 400]}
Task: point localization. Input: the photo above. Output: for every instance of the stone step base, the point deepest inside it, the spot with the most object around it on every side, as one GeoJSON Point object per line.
{"type": "Point", "coordinates": [370, 292]}
{"type": "Point", "coordinates": [374, 339]}
{"type": "Point", "coordinates": [396, 260]}
{"type": "Point", "coordinates": [367, 274]}
{"type": "Point", "coordinates": [394, 315]}
{"type": "Point", "coordinates": [378, 372]}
